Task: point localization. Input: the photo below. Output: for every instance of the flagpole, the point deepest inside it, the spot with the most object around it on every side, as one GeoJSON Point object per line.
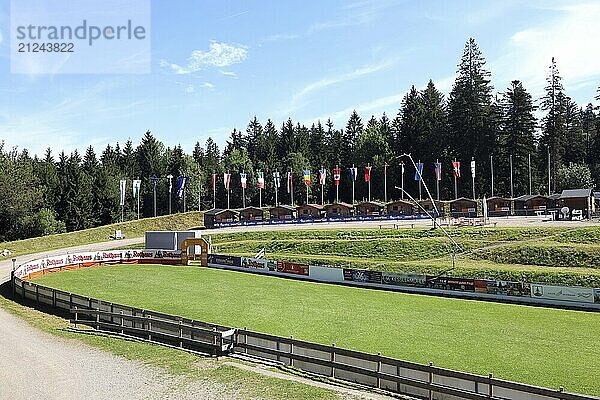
{"type": "Point", "coordinates": [322, 187]}
{"type": "Point", "coordinates": [402, 166]}
{"type": "Point", "coordinates": [548, 170]}
{"type": "Point", "coordinates": [243, 195]}
{"type": "Point", "coordinates": [473, 176]}
{"type": "Point", "coordinates": [154, 178]}
{"type": "Point", "coordinates": [291, 177]}
{"type": "Point", "coordinates": [437, 181]}
{"type": "Point", "coordinates": [529, 162]}
{"type": "Point", "coordinates": [138, 203]}
{"type": "Point", "coordinates": [455, 183]}
{"type": "Point", "coordinates": [184, 205]}
{"type": "Point", "coordinates": [214, 190]}
{"type": "Point", "coordinates": [353, 179]}
{"type": "Point", "coordinates": [368, 165]}
{"type": "Point", "coordinates": [199, 191]}
{"type": "Point", "coordinates": [492, 168]}
{"type": "Point", "coordinates": [512, 194]}
{"type": "Point", "coordinates": [337, 188]}
{"type": "Point", "coordinates": [420, 179]}
{"type": "Point", "coordinates": [385, 182]}
{"type": "Point", "coordinates": [276, 187]}
{"type": "Point", "coordinates": [259, 198]}
{"type": "Point", "coordinates": [228, 188]}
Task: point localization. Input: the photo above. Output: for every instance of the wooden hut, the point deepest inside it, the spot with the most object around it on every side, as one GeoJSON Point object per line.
{"type": "Point", "coordinates": [369, 208]}
{"type": "Point", "coordinates": [427, 204]}
{"type": "Point", "coordinates": [399, 207]}
{"type": "Point", "coordinates": [463, 207]}
{"type": "Point", "coordinates": [530, 204]}
{"type": "Point", "coordinates": [498, 206]}
{"type": "Point", "coordinates": [310, 211]}
{"type": "Point", "coordinates": [340, 209]}
{"type": "Point", "coordinates": [219, 215]}
{"type": "Point", "coordinates": [581, 202]}
{"type": "Point", "coordinates": [252, 214]}
{"type": "Point", "coordinates": [282, 211]}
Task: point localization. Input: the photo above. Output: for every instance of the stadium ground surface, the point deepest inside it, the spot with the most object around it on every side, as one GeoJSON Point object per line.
{"type": "Point", "coordinates": [546, 347]}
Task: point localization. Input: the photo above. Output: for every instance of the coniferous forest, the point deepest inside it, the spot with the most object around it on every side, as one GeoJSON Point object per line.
{"type": "Point", "coordinates": [58, 192]}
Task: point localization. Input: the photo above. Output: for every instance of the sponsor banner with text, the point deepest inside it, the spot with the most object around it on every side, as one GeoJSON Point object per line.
{"type": "Point", "coordinates": [403, 279]}
{"type": "Point", "coordinates": [563, 293]}
{"type": "Point", "coordinates": [292, 268]}
{"type": "Point", "coordinates": [219, 259]}
{"type": "Point", "coordinates": [362, 275]}
{"type": "Point", "coordinates": [259, 264]}
{"type": "Point", "coordinates": [449, 283]}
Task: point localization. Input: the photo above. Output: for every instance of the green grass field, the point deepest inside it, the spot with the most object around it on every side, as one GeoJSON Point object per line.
{"type": "Point", "coordinates": [568, 256]}
{"type": "Point", "coordinates": [130, 229]}
{"type": "Point", "coordinates": [540, 346]}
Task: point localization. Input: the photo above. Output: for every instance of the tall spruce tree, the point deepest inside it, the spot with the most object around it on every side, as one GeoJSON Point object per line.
{"type": "Point", "coordinates": [473, 118]}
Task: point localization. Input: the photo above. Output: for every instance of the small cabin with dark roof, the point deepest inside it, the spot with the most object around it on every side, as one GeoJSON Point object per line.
{"type": "Point", "coordinates": [310, 211]}
{"type": "Point", "coordinates": [219, 215]}
{"type": "Point", "coordinates": [427, 204]}
{"type": "Point", "coordinates": [339, 209]}
{"type": "Point", "coordinates": [369, 208]}
{"type": "Point", "coordinates": [581, 200]}
{"type": "Point", "coordinates": [282, 211]}
{"type": "Point", "coordinates": [463, 207]}
{"type": "Point", "coordinates": [252, 214]}
{"type": "Point", "coordinates": [529, 204]}
{"type": "Point", "coordinates": [498, 206]}
{"type": "Point", "coordinates": [399, 207]}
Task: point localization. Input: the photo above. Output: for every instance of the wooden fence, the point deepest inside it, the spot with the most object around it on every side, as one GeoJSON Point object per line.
{"type": "Point", "coordinates": [370, 370]}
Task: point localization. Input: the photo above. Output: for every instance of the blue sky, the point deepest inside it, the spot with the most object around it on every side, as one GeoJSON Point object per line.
{"type": "Point", "coordinates": [217, 64]}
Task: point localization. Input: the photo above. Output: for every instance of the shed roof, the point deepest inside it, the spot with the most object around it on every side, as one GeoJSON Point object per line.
{"type": "Point", "coordinates": [284, 207]}
{"type": "Point", "coordinates": [575, 193]}
{"type": "Point", "coordinates": [217, 211]}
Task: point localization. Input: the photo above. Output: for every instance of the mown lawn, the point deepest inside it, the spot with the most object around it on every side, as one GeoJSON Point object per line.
{"type": "Point", "coordinates": [540, 346]}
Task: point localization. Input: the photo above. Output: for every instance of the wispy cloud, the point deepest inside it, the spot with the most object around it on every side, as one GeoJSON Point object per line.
{"type": "Point", "coordinates": [238, 14]}
{"type": "Point", "coordinates": [229, 74]}
{"type": "Point", "coordinates": [355, 13]}
{"type": "Point", "coordinates": [569, 36]}
{"type": "Point", "coordinates": [279, 37]}
{"type": "Point", "coordinates": [219, 54]}
{"type": "Point", "coordinates": [300, 98]}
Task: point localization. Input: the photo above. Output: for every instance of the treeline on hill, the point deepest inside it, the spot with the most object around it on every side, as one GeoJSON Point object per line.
{"type": "Point", "coordinates": [40, 196]}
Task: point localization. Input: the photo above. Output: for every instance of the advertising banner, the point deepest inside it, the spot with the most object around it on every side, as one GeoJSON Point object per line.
{"type": "Point", "coordinates": [362, 275]}
{"type": "Point", "coordinates": [448, 283]}
{"type": "Point", "coordinates": [506, 288]}
{"type": "Point", "coordinates": [563, 293]}
{"type": "Point", "coordinates": [327, 274]}
{"type": "Point", "coordinates": [219, 259]}
{"type": "Point", "coordinates": [403, 279]}
{"type": "Point", "coordinates": [597, 295]}
{"type": "Point", "coordinates": [259, 263]}
{"type": "Point", "coordinates": [292, 268]}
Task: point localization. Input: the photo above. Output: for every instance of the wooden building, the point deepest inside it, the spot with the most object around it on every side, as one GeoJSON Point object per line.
{"type": "Point", "coordinates": [530, 204]}
{"type": "Point", "coordinates": [340, 209]}
{"type": "Point", "coordinates": [399, 207]}
{"type": "Point", "coordinates": [310, 211]}
{"type": "Point", "coordinates": [219, 215]}
{"type": "Point", "coordinates": [368, 208]}
{"type": "Point", "coordinates": [282, 211]}
{"type": "Point", "coordinates": [581, 202]}
{"type": "Point", "coordinates": [252, 214]}
{"type": "Point", "coordinates": [427, 204]}
{"type": "Point", "coordinates": [498, 206]}
{"type": "Point", "coordinates": [463, 207]}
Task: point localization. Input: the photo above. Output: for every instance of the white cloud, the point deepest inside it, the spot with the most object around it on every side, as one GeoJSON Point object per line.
{"type": "Point", "coordinates": [299, 99]}
{"type": "Point", "coordinates": [207, 85]}
{"type": "Point", "coordinates": [570, 37]}
{"type": "Point", "coordinates": [219, 54]}
{"type": "Point", "coordinates": [1, 37]}
{"type": "Point", "coordinates": [281, 37]}
{"type": "Point", "coordinates": [189, 89]}
{"type": "Point", "coordinates": [229, 74]}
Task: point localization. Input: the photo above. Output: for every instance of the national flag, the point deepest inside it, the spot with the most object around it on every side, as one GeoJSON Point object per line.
{"type": "Point", "coordinates": [226, 180]}
{"type": "Point", "coordinates": [473, 168]}
{"type": "Point", "coordinates": [336, 176]}
{"type": "Point", "coordinates": [154, 179]}
{"type": "Point", "coordinates": [181, 181]}
{"type": "Point", "coordinates": [322, 176]}
{"type": "Point", "coordinates": [353, 173]}
{"type": "Point", "coordinates": [244, 179]}
{"type": "Point", "coordinates": [438, 170]}
{"type": "Point", "coordinates": [122, 187]}
{"type": "Point", "coordinates": [136, 187]}
{"type": "Point", "coordinates": [385, 165]}
{"type": "Point", "coordinates": [368, 173]}
{"type": "Point", "coordinates": [290, 181]}
{"type": "Point", "coordinates": [214, 181]}
{"type": "Point", "coordinates": [307, 177]}
{"type": "Point", "coordinates": [261, 180]}
{"type": "Point", "coordinates": [419, 172]}
{"type": "Point", "coordinates": [402, 167]}
{"type": "Point", "coordinates": [277, 179]}
{"type": "Point", "coordinates": [456, 169]}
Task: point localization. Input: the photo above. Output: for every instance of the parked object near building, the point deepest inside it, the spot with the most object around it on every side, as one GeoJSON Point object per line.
{"type": "Point", "coordinates": [339, 209]}
{"type": "Point", "coordinates": [369, 208]}
{"type": "Point", "coordinates": [219, 215]}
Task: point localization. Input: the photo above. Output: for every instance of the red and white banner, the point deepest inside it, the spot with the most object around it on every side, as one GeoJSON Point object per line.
{"type": "Point", "coordinates": [337, 173]}
{"type": "Point", "coordinates": [368, 173]}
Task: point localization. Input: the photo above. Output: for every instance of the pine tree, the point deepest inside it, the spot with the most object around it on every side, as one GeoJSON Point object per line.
{"type": "Point", "coordinates": [473, 119]}
{"type": "Point", "coordinates": [588, 125]}
{"type": "Point", "coordinates": [517, 140]}
{"type": "Point", "coordinates": [575, 146]}
{"type": "Point", "coordinates": [354, 128]}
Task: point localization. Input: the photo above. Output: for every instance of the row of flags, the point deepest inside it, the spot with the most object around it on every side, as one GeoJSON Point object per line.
{"type": "Point", "coordinates": [337, 174]}
{"type": "Point", "coordinates": [137, 183]}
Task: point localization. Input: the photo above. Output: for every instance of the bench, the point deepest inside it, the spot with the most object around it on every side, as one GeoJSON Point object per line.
{"type": "Point", "coordinates": [117, 235]}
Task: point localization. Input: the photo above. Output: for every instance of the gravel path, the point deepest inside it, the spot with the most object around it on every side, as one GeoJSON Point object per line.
{"type": "Point", "coordinates": [36, 365]}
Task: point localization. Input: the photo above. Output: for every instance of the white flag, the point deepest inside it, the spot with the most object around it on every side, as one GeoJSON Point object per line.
{"type": "Point", "coordinates": [122, 187]}
{"type": "Point", "coordinates": [136, 187]}
{"type": "Point", "coordinates": [473, 168]}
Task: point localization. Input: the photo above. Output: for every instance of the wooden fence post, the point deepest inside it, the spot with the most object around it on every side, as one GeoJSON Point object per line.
{"type": "Point", "coordinates": [53, 298]}
{"type": "Point", "coordinates": [121, 323]}
{"type": "Point", "coordinates": [333, 360]}
{"type": "Point", "coordinates": [398, 375]}
{"type": "Point", "coordinates": [75, 323]}
{"type": "Point", "coordinates": [430, 380]}
{"type": "Point", "coordinates": [149, 327]}
{"type": "Point", "coordinates": [490, 387]}
{"type": "Point", "coordinates": [98, 319]}
{"type": "Point", "coordinates": [37, 295]}
{"type": "Point", "coordinates": [291, 351]}
{"type": "Point", "coordinates": [378, 370]}
{"type": "Point", "coordinates": [180, 333]}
